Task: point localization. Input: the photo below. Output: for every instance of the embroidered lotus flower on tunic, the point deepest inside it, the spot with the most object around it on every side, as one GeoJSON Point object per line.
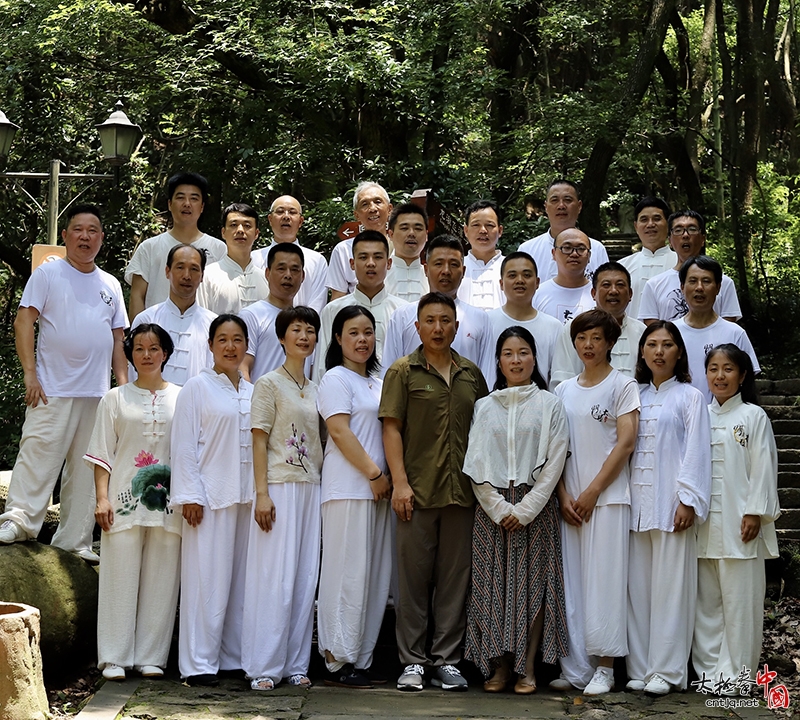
{"type": "Point", "coordinates": [300, 450]}
{"type": "Point", "coordinates": [150, 485]}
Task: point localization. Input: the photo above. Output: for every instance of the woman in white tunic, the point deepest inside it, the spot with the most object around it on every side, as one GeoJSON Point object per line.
{"type": "Point", "coordinates": [141, 540]}
{"type": "Point", "coordinates": [517, 448]}
{"type": "Point", "coordinates": [212, 482]}
{"type": "Point", "coordinates": [670, 493]}
{"type": "Point", "coordinates": [740, 532]}
{"type": "Point", "coordinates": [356, 514]}
{"type": "Point", "coordinates": [602, 408]}
{"type": "Point", "coordinates": [283, 555]}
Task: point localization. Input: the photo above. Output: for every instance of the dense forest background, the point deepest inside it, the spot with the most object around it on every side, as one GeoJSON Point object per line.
{"type": "Point", "coordinates": [694, 101]}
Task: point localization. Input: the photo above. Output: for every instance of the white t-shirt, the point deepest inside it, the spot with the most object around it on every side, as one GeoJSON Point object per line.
{"type": "Point", "coordinates": [592, 413]}
{"type": "Point", "coordinates": [313, 292]}
{"type": "Point", "coordinates": [662, 298]}
{"type": "Point", "coordinates": [473, 338]}
{"type": "Point", "coordinates": [150, 262]}
{"type": "Point", "coordinates": [226, 288]}
{"type": "Point", "coordinates": [341, 276]}
{"type": "Point", "coordinates": [700, 340]}
{"type": "Point", "coordinates": [408, 282]}
{"type": "Point", "coordinates": [77, 314]}
{"type": "Point", "coordinates": [563, 303]}
{"type": "Point", "coordinates": [189, 333]}
{"type": "Point", "coordinates": [545, 329]}
{"type": "Point", "coordinates": [344, 392]}
{"type": "Point", "coordinates": [540, 249]}
{"type": "Point", "coordinates": [644, 265]}
{"type": "Point", "coordinates": [481, 284]}
{"type": "Point", "coordinates": [262, 340]}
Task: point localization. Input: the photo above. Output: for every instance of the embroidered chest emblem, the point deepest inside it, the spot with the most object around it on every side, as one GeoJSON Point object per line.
{"type": "Point", "coordinates": [600, 415]}
{"type": "Point", "coordinates": [740, 435]}
{"type": "Point", "coordinates": [106, 297]}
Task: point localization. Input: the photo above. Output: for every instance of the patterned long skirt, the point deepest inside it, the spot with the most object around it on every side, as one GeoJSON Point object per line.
{"type": "Point", "coordinates": [514, 576]}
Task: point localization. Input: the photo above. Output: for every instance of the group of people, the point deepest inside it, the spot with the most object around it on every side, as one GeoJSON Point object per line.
{"type": "Point", "coordinates": [614, 495]}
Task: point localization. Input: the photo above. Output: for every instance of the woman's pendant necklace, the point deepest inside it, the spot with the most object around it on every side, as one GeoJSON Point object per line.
{"type": "Point", "coordinates": [299, 386]}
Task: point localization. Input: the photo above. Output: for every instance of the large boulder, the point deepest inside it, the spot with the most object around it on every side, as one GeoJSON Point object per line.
{"type": "Point", "coordinates": [64, 588]}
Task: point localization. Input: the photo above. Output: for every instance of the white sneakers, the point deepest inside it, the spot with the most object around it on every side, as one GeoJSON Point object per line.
{"type": "Point", "coordinates": [636, 685]}
{"type": "Point", "coordinates": [113, 672]}
{"type": "Point", "coordinates": [10, 532]}
{"type": "Point", "coordinates": [561, 683]}
{"type": "Point", "coordinates": [657, 686]}
{"type": "Point", "coordinates": [602, 682]}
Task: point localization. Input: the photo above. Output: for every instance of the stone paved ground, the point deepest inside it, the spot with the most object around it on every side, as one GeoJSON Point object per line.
{"type": "Point", "coordinates": [233, 700]}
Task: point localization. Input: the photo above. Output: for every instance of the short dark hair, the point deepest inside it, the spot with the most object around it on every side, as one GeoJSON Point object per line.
{"type": "Point", "coordinates": [408, 209]}
{"type": "Point", "coordinates": [704, 263]}
{"type": "Point", "coordinates": [610, 266]}
{"type": "Point", "coordinates": [525, 335]}
{"type": "Point", "coordinates": [188, 178]}
{"type": "Point", "coordinates": [303, 313]}
{"type": "Point", "coordinates": [200, 251]}
{"type": "Point", "coordinates": [370, 236]}
{"type": "Point", "coordinates": [242, 209]}
{"type": "Point", "coordinates": [517, 255]}
{"type": "Point", "coordinates": [693, 214]}
{"type": "Point", "coordinates": [164, 340]}
{"type": "Point", "coordinates": [285, 248]}
{"type": "Point", "coordinates": [742, 360]}
{"type": "Point", "coordinates": [82, 209]}
{"type": "Point", "coordinates": [482, 205]}
{"type": "Point", "coordinates": [643, 373]}
{"type": "Point", "coordinates": [444, 241]}
{"type": "Point", "coordinates": [564, 181]}
{"type": "Point", "coordinates": [436, 298]}
{"type": "Point", "coordinates": [226, 317]}
{"type": "Point", "coordinates": [596, 318]}
{"type": "Point", "coordinates": [334, 356]}
{"type": "Point", "coordinates": [650, 201]}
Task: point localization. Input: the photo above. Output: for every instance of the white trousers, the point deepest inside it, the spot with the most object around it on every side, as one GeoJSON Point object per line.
{"type": "Point", "coordinates": [282, 571]}
{"type": "Point", "coordinates": [51, 434]}
{"type": "Point", "coordinates": [354, 579]}
{"type": "Point", "coordinates": [729, 620]}
{"type": "Point", "coordinates": [662, 587]}
{"type": "Point", "coordinates": [213, 557]}
{"type": "Point", "coordinates": [595, 559]}
{"type": "Point", "coordinates": [137, 596]}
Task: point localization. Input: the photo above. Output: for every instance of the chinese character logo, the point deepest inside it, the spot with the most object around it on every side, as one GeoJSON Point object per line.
{"type": "Point", "coordinates": [776, 697]}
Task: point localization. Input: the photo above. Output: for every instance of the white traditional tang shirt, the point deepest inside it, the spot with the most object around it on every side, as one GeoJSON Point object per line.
{"type": "Point", "coordinates": [481, 284]}
{"type": "Point", "coordinates": [189, 333]}
{"type": "Point", "coordinates": [131, 441]}
{"type": "Point", "coordinates": [644, 265]}
{"type": "Point", "coordinates": [744, 481]}
{"type": "Point", "coordinates": [150, 262]}
{"type": "Point", "coordinates": [592, 413]}
{"type": "Point", "coordinates": [672, 459]}
{"type": "Point", "coordinates": [519, 436]}
{"type": "Point", "coordinates": [227, 288]}
{"type": "Point", "coordinates": [407, 282]}
{"type": "Point", "coordinates": [662, 298]}
{"type": "Point", "coordinates": [382, 307]}
{"type": "Point", "coordinates": [566, 363]}
{"type": "Point", "coordinates": [212, 446]}
{"type": "Point", "coordinates": [340, 275]}
{"type": "Point", "coordinates": [289, 416]}
{"type": "Point", "coordinates": [473, 338]}
{"type": "Point", "coordinates": [313, 291]}
{"type": "Point", "coordinates": [540, 249]}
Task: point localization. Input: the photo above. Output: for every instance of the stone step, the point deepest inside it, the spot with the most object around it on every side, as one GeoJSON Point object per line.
{"type": "Point", "coordinates": [787, 442]}
{"type": "Point", "coordinates": [789, 497]}
{"type": "Point", "coordinates": [789, 476]}
{"type": "Point", "coordinates": [782, 412]}
{"type": "Point", "coordinates": [789, 520]}
{"type": "Point", "coordinates": [780, 400]}
{"type": "Point", "coordinates": [788, 534]}
{"type": "Point", "coordinates": [789, 456]}
{"type": "Point", "coordinates": [785, 427]}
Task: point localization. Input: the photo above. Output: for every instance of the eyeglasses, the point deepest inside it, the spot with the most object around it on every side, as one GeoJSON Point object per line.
{"type": "Point", "coordinates": [691, 230]}
{"type": "Point", "coordinates": [579, 250]}
{"type": "Point", "coordinates": [280, 212]}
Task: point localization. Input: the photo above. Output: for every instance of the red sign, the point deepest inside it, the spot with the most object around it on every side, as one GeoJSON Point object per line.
{"type": "Point", "coordinates": [348, 230]}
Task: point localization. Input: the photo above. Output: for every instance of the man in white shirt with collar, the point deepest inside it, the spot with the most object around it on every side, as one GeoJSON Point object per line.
{"type": "Point", "coordinates": [234, 282]}
{"type": "Point", "coordinates": [370, 263]}
{"type": "Point", "coordinates": [371, 208]}
{"type": "Point", "coordinates": [188, 195]}
{"type": "Point", "coordinates": [611, 289]}
{"type": "Point", "coordinates": [481, 286]}
{"type": "Point", "coordinates": [656, 256]}
{"type": "Point", "coordinates": [285, 275]}
{"type": "Point", "coordinates": [286, 218]}
{"type": "Point", "coordinates": [445, 269]}
{"type": "Point", "coordinates": [563, 206]}
{"type": "Point", "coordinates": [569, 293]}
{"type": "Point", "coordinates": [182, 317]}
{"type": "Point", "coordinates": [519, 282]}
{"type": "Point", "coordinates": [408, 231]}
{"type": "Point", "coordinates": [662, 297]}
